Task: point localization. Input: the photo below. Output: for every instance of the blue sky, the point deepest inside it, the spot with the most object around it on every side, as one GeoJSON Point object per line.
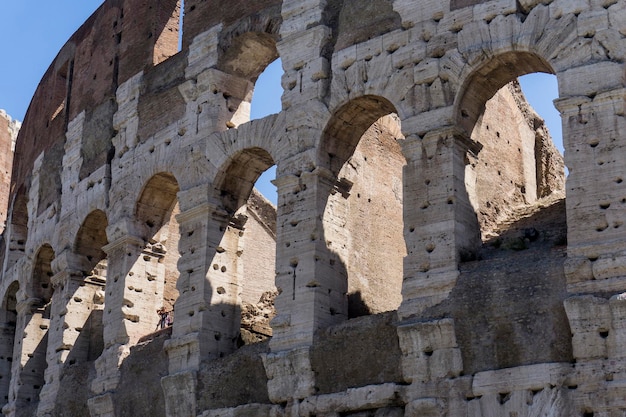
{"type": "Point", "coordinates": [34, 33]}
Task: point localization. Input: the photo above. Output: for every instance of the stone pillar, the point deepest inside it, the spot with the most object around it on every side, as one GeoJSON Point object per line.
{"type": "Point", "coordinates": [594, 132]}
{"type": "Point", "coordinates": [127, 316]}
{"type": "Point", "coordinates": [218, 100]}
{"type": "Point", "coordinates": [205, 325]}
{"type": "Point", "coordinates": [74, 302]}
{"type": "Point", "coordinates": [7, 333]}
{"type": "Point", "coordinates": [208, 316]}
{"type": "Point", "coordinates": [29, 355]}
{"type": "Point", "coordinates": [303, 38]}
{"type": "Point", "coordinates": [311, 278]}
{"type": "Point", "coordinates": [440, 226]}
{"type": "Point", "coordinates": [312, 281]}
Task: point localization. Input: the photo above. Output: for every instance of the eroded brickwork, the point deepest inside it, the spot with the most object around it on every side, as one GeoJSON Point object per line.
{"type": "Point", "coordinates": [416, 190]}
{"type": "Point", "coordinates": [9, 129]}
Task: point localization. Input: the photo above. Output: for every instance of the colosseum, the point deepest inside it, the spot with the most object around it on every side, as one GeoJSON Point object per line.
{"type": "Point", "coordinates": [427, 255]}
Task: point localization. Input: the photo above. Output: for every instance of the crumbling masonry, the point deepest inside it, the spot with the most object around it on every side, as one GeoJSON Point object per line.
{"type": "Point", "coordinates": [425, 258]}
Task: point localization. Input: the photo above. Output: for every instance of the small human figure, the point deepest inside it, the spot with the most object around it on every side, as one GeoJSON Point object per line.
{"type": "Point", "coordinates": [170, 318]}
{"type": "Point", "coordinates": [163, 315]}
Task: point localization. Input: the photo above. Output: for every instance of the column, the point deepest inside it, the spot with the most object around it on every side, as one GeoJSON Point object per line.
{"type": "Point", "coordinates": [594, 133]}
{"type": "Point", "coordinates": [74, 301]}
{"type": "Point", "coordinates": [29, 356]}
{"type": "Point", "coordinates": [440, 226]}
{"type": "Point", "coordinates": [125, 316]}
{"type": "Point", "coordinates": [311, 278]}
{"type": "Point", "coordinates": [208, 316]}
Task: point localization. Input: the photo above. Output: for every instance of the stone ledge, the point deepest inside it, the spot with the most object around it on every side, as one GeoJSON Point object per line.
{"type": "Point", "coordinates": [532, 377]}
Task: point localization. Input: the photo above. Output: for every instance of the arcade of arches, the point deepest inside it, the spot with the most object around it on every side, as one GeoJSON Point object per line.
{"type": "Point", "coordinates": [426, 254]}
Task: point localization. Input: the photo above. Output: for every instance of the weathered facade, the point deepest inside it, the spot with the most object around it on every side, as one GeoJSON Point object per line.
{"type": "Point", "coordinates": [9, 129]}
{"type": "Point", "coordinates": [402, 147]}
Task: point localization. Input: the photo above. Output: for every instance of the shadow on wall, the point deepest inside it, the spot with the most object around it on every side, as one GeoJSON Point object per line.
{"type": "Point", "coordinates": [90, 342]}
{"type": "Point", "coordinates": [357, 306]}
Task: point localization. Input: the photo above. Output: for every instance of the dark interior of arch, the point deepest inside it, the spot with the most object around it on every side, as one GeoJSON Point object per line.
{"type": "Point", "coordinates": [237, 181]}
{"type": "Point", "coordinates": [42, 287]}
{"type": "Point", "coordinates": [19, 214]}
{"type": "Point", "coordinates": [92, 238]}
{"type": "Point", "coordinates": [157, 202]}
{"type": "Point", "coordinates": [492, 76]}
{"type": "Point", "coordinates": [347, 126]}
{"type": "Point", "coordinates": [10, 303]}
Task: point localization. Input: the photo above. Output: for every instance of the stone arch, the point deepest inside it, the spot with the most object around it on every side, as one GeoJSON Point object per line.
{"type": "Point", "coordinates": [245, 50]}
{"type": "Point", "coordinates": [85, 306]}
{"type": "Point", "coordinates": [354, 79]}
{"type": "Point", "coordinates": [236, 181]}
{"type": "Point", "coordinates": [155, 212]}
{"type": "Point", "coordinates": [18, 229]}
{"type": "Point", "coordinates": [34, 319]}
{"type": "Point", "coordinates": [486, 79]}
{"type": "Point", "coordinates": [533, 168]}
{"type": "Point", "coordinates": [8, 321]}
{"type": "Point", "coordinates": [41, 289]}
{"type": "Point", "coordinates": [91, 238]}
{"type": "Point", "coordinates": [247, 255]}
{"type": "Point", "coordinates": [364, 162]}
{"type": "Point", "coordinates": [249, 46]}
{"type": "Point", "coordinates": [503, 148]}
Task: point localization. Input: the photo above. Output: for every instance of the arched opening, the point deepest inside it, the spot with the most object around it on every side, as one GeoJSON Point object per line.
{"type": "Point", "coordinates": [518, 167]}
{"type": "Point", "coordinates": [266, 100]}
{"type": "Point", "coordinates": [515, 182]}
{"type": "Point", "coordinates": [267, 91]}
{"type": "Point", "coordinates": [8, 317]}
{"type": "Point", "coordinates": [17, 231]}
{"type": "Point", "coordinates": [251, 57]}
{"type": "Point", "coordinates": [156, 212]}
{"type": "Point", "coordinates": [363, 221]}
{"type": "Point", "coordinates": [85, 307]}
{"type": "Point", "coordinates": [248, 54]}
{"type": "Point", "coordinates": [36, 325]}
{"type": "Point", "coordinates": [247, 255]}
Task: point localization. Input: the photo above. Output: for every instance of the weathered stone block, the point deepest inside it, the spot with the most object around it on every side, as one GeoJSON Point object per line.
{"type": "Point", "coordinates": [589, 318]}
{"type": "Point", "coordinates": [289, 374]}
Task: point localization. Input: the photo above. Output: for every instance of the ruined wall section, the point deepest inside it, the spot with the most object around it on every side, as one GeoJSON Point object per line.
{"type": "Point", "coordinates": [201, 15]}
{"type": "Point", "coordinates": [9, 129]}
{"type": "Point", "coordinates": [114, 44]}
{"type": "Point", "coordinates": [518, 162]}
{"type": "Point", "coordinates": [437, 366]}
{"type": "Point", "coordinates": [360, 21]}
{"type": "Point", "coordinates": [259, 243]}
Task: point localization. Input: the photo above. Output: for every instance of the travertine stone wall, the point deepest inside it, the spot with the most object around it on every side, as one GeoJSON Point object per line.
{"type": "Point", "coordinates": [9, 129]}
{"type": "Point", "coordinates": [131, 190]}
